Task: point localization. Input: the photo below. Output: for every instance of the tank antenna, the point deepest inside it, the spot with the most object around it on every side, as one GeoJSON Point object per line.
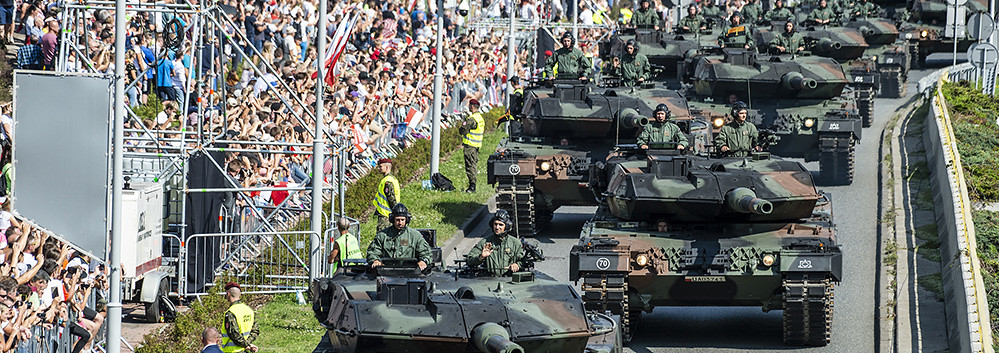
{"type": "Point", "coordinates": [749, 93]}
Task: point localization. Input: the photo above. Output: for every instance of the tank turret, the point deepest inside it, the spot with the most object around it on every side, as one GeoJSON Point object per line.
{"type": "Point", "coordinates": [741, 73]}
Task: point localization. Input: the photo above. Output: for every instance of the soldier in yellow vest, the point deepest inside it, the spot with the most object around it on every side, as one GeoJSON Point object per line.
{"type": "Point", "coordinates": [388, 194]}
{"type": "Point", "coordinates": [345, 246]}
{"type": "Point", "coordinates": [474, 127]}
{"type": "Point", "coordinates": [239, 330]}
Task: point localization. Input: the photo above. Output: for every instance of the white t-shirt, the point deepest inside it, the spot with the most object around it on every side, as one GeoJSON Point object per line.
{"type": "Point", "coordinates": [27, 262]}
{"type": "Point", "coordinates": [4, 222]}
{"type": "Point", "coordinates": [162, 118]}
{"type": "Point", "coordinates": [54, 286]}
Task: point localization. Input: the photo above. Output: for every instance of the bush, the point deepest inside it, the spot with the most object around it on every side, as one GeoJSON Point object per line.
{"type": "Point", "coordinates": [973, 117]}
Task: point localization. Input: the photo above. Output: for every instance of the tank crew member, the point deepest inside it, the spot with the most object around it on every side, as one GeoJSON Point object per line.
{"type": "Point", "coordinates": [388, 193]}
{"type": "Point", "coordinates": [499, 252]}
{"type": "Point", "coordinates": [822, 15]}
{"type": "Point", "coordinates": [737, 35]}
{"type": "Point", "coordinates": [569, 59]}
{"type": "Point", "coordinates": [662, 130]}
{"type": "Point", "coordinates": [738, 137]}
{"type": "Point", "coordinates": [789, 42]}
{"type": "Point", "coordinates": [709, 10]}
{"type": "Point", "coordinates": [779, 12]}
{"type": "Point", "coordinates": [865, 8]}
{"type": "Point", "coordinates": [646, 16]}
{"type": "Point", "coordinates": [239, 329]}
{"type": "Point", "coordinates": [474, 127]}
{"type": "Point", "coordinates": [517, 97]}
{"type": "Point", "coordinates": [399, 241]}
{"type": "Point", "coordinates": [634, 65]}
{"type": "Point", "coordinates": [613, 67]}
{"type": "Point", "coordinates": [752, 12]}
{"type": "Point", "coordinates": [693, 21]}
{"type": "Point", "coordinates": [345, 246]}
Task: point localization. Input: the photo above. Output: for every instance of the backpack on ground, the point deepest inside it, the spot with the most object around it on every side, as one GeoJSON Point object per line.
{"type": "Point", "coordinates": [441, 182]}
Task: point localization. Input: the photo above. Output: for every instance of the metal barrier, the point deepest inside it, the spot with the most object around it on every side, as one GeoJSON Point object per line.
{"type": "Point", "coordinates": [275, 262]}
{"type": "Point", "coordinates": [58, 338]}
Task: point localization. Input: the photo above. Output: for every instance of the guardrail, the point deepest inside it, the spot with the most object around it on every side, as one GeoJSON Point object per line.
{"type": "Point", "coordinates": [967, 310]}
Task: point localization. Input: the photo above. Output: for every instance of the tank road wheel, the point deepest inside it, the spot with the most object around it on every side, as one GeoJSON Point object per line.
{"type": "Point", "coordinates": [865, 104]}
{"type": "Point", "coordinates": [516, 195]}
{"type": "Point", "coordinates": [836, 162]}
{"type": "Point", "coordinates": [808, 309]}
{"type": "Point", "coordinates": [608, 292]}
{"type": "Point", "coordinates": [892, 84]}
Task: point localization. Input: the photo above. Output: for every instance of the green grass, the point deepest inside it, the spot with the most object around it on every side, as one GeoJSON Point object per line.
{"type": "Point", "coordinates": [287, 327]}
{"type": "Point", "coordinates": [934, 284]}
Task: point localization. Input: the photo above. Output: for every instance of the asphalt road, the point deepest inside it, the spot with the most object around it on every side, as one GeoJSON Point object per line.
{"type": "Point", "coordinates": [712, 329]}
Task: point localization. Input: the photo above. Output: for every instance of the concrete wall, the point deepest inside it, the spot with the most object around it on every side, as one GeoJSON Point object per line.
{"type": "Point", "coordinates": [967, 311]}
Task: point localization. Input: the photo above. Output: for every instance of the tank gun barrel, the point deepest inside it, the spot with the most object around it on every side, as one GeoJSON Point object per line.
{"type": "Point", "coordinates": [796, 81]}
{"type": "Point", "coordinates": [744, 200]}
{"type": "Point", "coordinates": [828, 45]}
{"type": "Point", "coordinates": [866, 31]}
{"type": "Point", "coordinates": [490, 337]}
{"type": "Point", "coordinates": [630, 119]}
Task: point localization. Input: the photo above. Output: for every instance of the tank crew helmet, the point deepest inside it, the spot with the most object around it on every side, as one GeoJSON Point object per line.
{"type": "Point", "coordinates": [735, 15]}
{"type": "Point", "coordinates": [643, 2]}
{"type": "Point", "coordinates": [738, 107]}
{"type": "Point", "coordinates": [662, 107]}
{"type": "Point", "coordinates": [503, 216]}
{"type": "Point", "coordinates": [790, 22]}
{"type": "Point", "coordinates": [572, 41]}
{"type": "Point", "coordinates": [631, 43]}
{"type": "Point", "coordinates": [400, 210]}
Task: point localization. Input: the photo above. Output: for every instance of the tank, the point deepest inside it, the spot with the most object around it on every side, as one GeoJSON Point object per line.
{"type": "Point", "coordinates": [544, 164]}
{"type": "Point", "coordinates": [676, 230]}
{"type": "Point", "coordinates": [457, 309]}
{"type": "Point", "coordinates": [801, 100]}
{"type": "Point", "coordinates": [890, 54]}
{"type": "Point", "coordinates": [926, 28]}
{"type": "Point", "coordinates": [840, 43]}
{"type": "Point", "coordinates": [665, 50]}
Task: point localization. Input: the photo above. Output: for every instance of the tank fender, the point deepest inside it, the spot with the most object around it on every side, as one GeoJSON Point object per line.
{"type": "Point", "coordinates": [151, 285]}
{"type": "Point", "coordinates": [828, 262]}
{"type": "Point", "coordinates": [851, 126]}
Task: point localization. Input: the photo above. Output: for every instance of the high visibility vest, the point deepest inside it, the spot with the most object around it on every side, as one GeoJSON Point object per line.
{"type": "Point", "coordinates": [474, 137]}
{"type": "Point", "coordinates": [244, 317]}
{"type": "Point", "coordinates": [349, 249]}
{"type": "Point", "coordinates": [381, 200]}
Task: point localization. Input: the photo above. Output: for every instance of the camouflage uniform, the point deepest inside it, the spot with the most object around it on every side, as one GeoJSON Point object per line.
{"type": "Point", "coordinates": [822, 13]}
{"type": "Point", "coordinates": [779, 14]}
{"type": "Point", "coordinates": [736, 37]}
{"type": "Point", "coordinates": [506, 250]}
{"type": "Point", "coordinates": [866, 9]}
{"type": "Point", "coordinates": [790, 41]}
{"type": "Point", "coordinates": [634, 67]}
{"type": "Point", "coordinates": [740, 138]}
{"type": "Point", "coordinates": [391, 243]}
{"type": "Point", "coordinates": [693, 22]}
{"type": "Point", "coordinates": [570, 61]}
{"type": "Point", "coordinates": [645, 18]}
{"type": "Point", "coordinates": [662, 132]}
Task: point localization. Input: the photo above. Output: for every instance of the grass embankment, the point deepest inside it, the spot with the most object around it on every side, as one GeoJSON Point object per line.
{"type": "Point", "coordinates": [287, 327]}
{"type": "Point", "coordinates": [973, 116]}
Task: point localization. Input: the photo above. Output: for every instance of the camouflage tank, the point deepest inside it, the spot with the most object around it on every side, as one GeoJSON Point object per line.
{"type": "Point", "coordinates": [926, 29]}
{"type": "Point", "coordinates": [890, 54]}
{"type": "Point", "coordinates": [678, 230]}
{"type": "Point", "coordinates": [800, 100]}
{"type": "Point", "coordinates": [664, 50]}
{"type": "Point", "coordinates": [839, 43]}
{"type": "Point", "coordinates": [544, 164]}
{"type": "Point", "coordinates": [459, 309]}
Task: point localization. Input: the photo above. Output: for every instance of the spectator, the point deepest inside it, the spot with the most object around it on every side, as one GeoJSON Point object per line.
{"type": "Point", "coordinates": [29, 56]}
{"type": "Point", "coordinates": [49, 44]}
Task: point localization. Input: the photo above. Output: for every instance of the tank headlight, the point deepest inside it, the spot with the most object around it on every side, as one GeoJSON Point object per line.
{"type": "Point", "coordinates": [908, 36]}
{"type": "Point", "coordinates": [718, 122]}
{"type": "Point", "coordinates": [809, 123]}
{"type": "Point", "coordinates": [768, 260]}
{"type": "Point", "coordinates": [642, 260]}
{"type": "Point", "coordinates": [545, 166]}
{"type": "Point", "coordinates": [923, 34]}
{"type": "Point", "coordinates": [875, 58]}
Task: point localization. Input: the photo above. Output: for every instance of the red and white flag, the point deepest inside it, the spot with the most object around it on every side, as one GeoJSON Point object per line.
{"type": "Point", "coordinates": [413, 117]}
{"type": "Point", "coordinates": [336, 46]}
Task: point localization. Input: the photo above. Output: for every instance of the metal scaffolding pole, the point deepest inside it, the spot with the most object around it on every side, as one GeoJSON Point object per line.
{"type": "Point", "coordinates": [315, 257]}
{"type": "Point", "coordinates": [435, 140]}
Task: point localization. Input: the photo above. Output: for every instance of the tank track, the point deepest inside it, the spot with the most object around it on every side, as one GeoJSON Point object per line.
{"type": "Point", "coordinates": [836, 159]}
{"type": "Point", "coordinates": [808, 309]}
{"type": "Point", "coordinates": [892, 83]}
{"type": "Point", "coordinates": [517, 196]}
{"type": "Point", "coordinates": [865, 104]}
{"type": "Point", "coordinates": [608, 292]}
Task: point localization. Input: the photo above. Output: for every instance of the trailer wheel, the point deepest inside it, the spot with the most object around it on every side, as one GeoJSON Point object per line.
{"type": "Point", "coordinates": [161, 309]}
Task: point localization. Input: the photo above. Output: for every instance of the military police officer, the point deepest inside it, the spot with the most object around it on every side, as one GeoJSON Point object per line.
{"type": "Point", "coordinates": [399, 241]}
{"type": "Point", "coordinates": [693, 22]}
{"type": "Point", "coordinates": [789, 42]}
{"type": "Point", "coordinates": [568, 60]}
{"type": "Point", "coordinates": [634, 66]}
{"type": "Point", "coordinates": [739, 137]}
{"type": "Point", "coordinates": [662, 130]}
{"type": "Point", "coordinates": [474, 127]}
{"type": "Point", "coordinates": [388, 193]}
{"type": "Point", "coordinates": [499, 252]}
{"type": "Point", "coordinates": [646, 16]}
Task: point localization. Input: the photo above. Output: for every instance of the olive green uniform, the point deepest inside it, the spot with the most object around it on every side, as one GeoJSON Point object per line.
{"type": "Point", "coordinates": [711, 12]}
{"type": "Point", "coordinates": [645, 17]}
{"type": "Point", "coordinates": [694, 22]}
{"type": "Point", "coordinates": [392, 243]}
{"type": "Point", "coordinates": [790, 41]}
{"type": "Point", "coordinates": [736, 37]}
{"type": "Point", "coordinates": [507, 250]}
{"type": "Point", "coordinates": [634, 67]}
{"type": "Point", "coordinates": [866, 9]}
{"type": "Point", "coordinates": [662, 132]}
{"type": "Point", "coordinates": [570, 61]}
{"type": "Point", "coordinates": [779, 14]}
{"type": "Point", "coordinates": [822, 13]}
{"type": "Point", "coordinates": [740, 138]}
{"type": "Point", "coordinates": [751, 12]}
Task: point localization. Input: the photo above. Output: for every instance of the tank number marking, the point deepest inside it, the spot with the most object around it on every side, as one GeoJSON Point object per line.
{"type": "Point", "coordinates": [805, 263]}
{"type": "Point", "coordinates": [858, 79]}
{"type": "Point", "coordinates": [704, 279]}
{"type": "Point", "coordinates": [603, 263]}
{"type": "Point", "coordinates": [514, 169]}
{"type": "Point", "coordinates": [833, 126]}
{"type": "Point", "coordinates": [890, 60]}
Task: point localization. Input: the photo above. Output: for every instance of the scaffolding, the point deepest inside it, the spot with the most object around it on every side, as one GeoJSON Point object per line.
{"type": "Point", "coordinates": [254, 236]}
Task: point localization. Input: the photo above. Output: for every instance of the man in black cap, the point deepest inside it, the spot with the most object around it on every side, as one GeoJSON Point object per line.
{"type": "Point", "coordinates": [399, 241]}
{"type": "Point", "coordinates": [499, 252]}
{"type": "Point", "coordinates": [662, 130]}
{"type": "Point", "coordinates": [567, 60]}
